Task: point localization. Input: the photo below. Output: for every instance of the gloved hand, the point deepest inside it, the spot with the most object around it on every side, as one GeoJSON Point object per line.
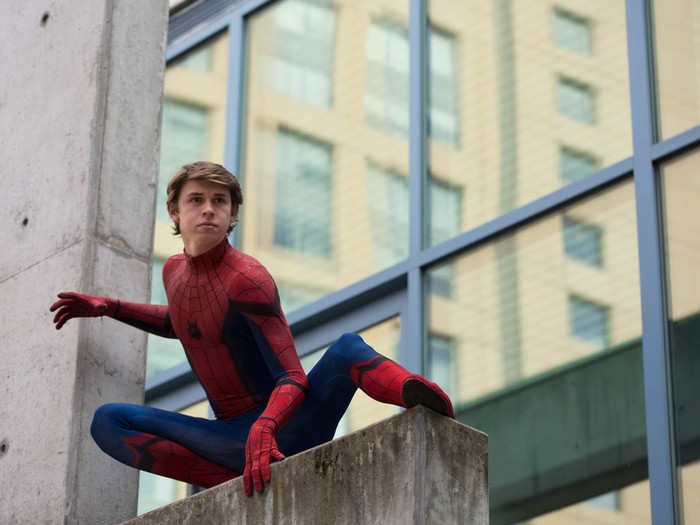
{"type": "Point", "coordinates": [72, 304]}
{"type": "Point", "coordinates": [260, 447]}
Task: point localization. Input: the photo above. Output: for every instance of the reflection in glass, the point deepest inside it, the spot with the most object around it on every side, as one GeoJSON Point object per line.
{"type": "Point", "coordinates": [571, 31]}
{"type": "Point", "coordinates": [156, 491]}
{"type": "Point", "coordinates": [627, 505]}
{"type": "Point", "coordinates": [681, 187]}
{"type": "Point", "coordinates": [540, 338]}
{"type": "Point", "coordinates": [305, 35]}
{"type": "Point", "coordinates": [576, 100]}
{"type": "Point", "coordinates": [326, 125]}
{"type": "Point", "coordinates": [537, 98]}
{"type": "Point", "coordinates": [677, 67]}
{"type": "Point", "coordinates": [303, 168]}
{"type": "Point", "coordinates": [193, 126]}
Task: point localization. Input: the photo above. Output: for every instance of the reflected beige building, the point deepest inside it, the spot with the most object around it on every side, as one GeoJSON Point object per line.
{"type": "Point", "coordinates": [524, 98]}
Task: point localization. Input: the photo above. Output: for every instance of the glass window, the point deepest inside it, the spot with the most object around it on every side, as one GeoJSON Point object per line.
{"type": "Point", "coordinates": [627, 505]}
{"type": "Point", "coordinates": [583, 241]}
{"type": "Point", "coordinates": [446, 211]}
{"type": "Point", "coordinates": [303, 172]}
{"type": "Point", "coordinates": [548, 349]}
{"type": "Point", "coordinates": [304, 54]}
{"type": "Point", "coordinates": [575, 165]}
{"type": "Point", "coordinates": [677, 67]}
{"type": "Point", "coordinates": [387, 193]}
{"type": "Point", "coordinates": [193, 127]}
{"type": "Point", "coordinates": [588, 321]}
{"type": "Point", "coordinates": [320, 109]}
{"type": "Point", "coordinates": [571, 31]}
{"type": "Point", "coordinates": [576, 100]}
{"type": "Point", "coordinates": [538, 97]}
{"type": "Point", "coordinates": [681, 193]}
{"type": "Point", "coordinates": [387, 93]}
{"type": "Point", "coordinates": [440, 362]}
{"type": "Point", "coordinates": [295, 295]}
{"type": "Point", "coordinates": [388, 200]}
{"type": "Point", "coordinates": [443, 118]}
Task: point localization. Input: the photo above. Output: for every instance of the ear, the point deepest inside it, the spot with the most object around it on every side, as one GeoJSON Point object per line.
{"type": "Point", "coordinates": [174, 213]}
{"type": "Point", "coordinates": [234, 213]}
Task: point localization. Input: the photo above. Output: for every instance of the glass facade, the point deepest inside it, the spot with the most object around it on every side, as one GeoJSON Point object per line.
{"type": "Point", "coordinates": [677, 53]}
{"type": "Point", "coordinates": [500, 136]}
{"type": "Point", "coordinates": [681, 191]}
{"type": "Point", "coordinates": [535, 103]}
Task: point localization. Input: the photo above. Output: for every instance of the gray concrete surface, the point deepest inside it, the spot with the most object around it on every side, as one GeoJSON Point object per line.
{"type": "Point", "coordinates": [414, 468]}
{"type": "Point", "coordinates": [80, 100]}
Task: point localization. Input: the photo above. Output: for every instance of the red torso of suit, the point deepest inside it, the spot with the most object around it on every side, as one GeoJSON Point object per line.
{"type": "Point", "coordinates": [225, 309]}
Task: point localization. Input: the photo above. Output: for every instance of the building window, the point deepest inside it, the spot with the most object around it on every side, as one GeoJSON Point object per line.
{"type": "Point", "coordinates": [293, 296]}
{"type": "Point", "coordinates": [303, 200]}
{"type": "Point", "coordinates": [583, 241]}
{"type": "Point", "coordinates": [387, 91]}
{"type": "Point", "coordinates": [445, 211]}
{"type": "Point", "coordinates": [388, 201]}
{"type": "Point", "coordinates": [440, 364]}
{"type": "Point", "coordinates": [443, 122]}
{"type": "Point", "coordinates": [198, 60]}
{"type": "Point", "coordinates": [305, 50]}
{"type": "Point", "coordinates": [184, 140]}
{"type": "Point", "coordinates": [571, 31]}
{"type": "Point", "coordinates": [387, 192]}
{"type": "Point", "coordinates": [575, 165]}
{"type": "Point", "coordinates": [445, 222]}
{"type": "Point", "coordinates": [576, 100]}
{"type": "Point", "coordinates": [609, 501]}
{"type": "Point", "coordinates": [589, 321]}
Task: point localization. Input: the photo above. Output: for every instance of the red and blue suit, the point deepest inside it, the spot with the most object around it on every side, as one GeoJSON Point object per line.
{"type": "Point", "coordinates": [225, 309]}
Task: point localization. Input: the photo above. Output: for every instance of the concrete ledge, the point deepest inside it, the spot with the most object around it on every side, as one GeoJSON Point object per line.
{"type": "Point", "coordinates": [414, 468]}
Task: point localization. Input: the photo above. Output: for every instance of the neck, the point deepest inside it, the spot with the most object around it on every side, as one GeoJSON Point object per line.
{"type": "Point", "coordinates": [196, 247]}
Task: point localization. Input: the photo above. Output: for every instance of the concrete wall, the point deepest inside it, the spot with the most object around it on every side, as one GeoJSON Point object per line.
{"type": "Point", "coordinates": [414, 468]}
{"type": "Point", "coordinates": [80, 102]}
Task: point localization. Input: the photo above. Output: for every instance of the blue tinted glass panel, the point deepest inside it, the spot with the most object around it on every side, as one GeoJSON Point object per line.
{"type": "Point", "coordinates": [588, 321]}
{"type": "Point", "coordinates": [302, 212]}
{"type": "Point", "coordinates": [583, 241]}
{"type": "Point", "coordinates": [576, 100]}
{"type": "Point", "coordinates": [575, 165]}
{"type": "Point", "coordinates": [571, 31]}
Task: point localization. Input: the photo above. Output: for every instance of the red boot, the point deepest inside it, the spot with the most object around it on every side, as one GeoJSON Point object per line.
{"type": "Point", "coordinates": [384, 380]}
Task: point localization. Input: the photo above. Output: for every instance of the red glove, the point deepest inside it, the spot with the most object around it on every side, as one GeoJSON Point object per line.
{"type": "Point", "coordinates": [260, 447]}
{"type": "Point", "coordinates": [73, 304]}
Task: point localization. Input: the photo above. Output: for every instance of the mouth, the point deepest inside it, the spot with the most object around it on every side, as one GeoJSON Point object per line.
{"type": "Point", "coordinates": [207, 225]}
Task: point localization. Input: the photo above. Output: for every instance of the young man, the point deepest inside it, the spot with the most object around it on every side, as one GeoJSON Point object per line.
{"type": "Point", "coordinates": [224, 308]}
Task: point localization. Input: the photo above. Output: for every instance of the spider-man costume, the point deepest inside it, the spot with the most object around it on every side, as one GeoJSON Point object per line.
{"type": "Point", "coordinates": [225, 309]}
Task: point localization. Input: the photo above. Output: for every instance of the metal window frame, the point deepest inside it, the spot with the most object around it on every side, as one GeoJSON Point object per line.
{"type": "Point", "coordinates": [399, 290]}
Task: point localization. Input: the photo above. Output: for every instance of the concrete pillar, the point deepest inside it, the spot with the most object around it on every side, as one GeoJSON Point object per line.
{"type": "Point", "coordinates": [415, 468]}
{"type": "Point", "coordinates": [80, 100]}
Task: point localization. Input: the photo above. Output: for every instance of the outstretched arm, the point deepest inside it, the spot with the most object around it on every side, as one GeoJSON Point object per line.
{"type": "Point", "coordinates": [153, 318]}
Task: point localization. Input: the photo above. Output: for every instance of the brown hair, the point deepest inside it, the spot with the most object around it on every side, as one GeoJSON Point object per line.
{"type": "Point", "coordinates": [209, 172]}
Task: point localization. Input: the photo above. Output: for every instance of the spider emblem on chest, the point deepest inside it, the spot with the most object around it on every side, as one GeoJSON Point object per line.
{"type": "Point", "coordinates": [194, 330]}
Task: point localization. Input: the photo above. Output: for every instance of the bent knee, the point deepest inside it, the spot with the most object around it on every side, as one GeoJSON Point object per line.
{"type": "Point", "coordinates": [105, 419]}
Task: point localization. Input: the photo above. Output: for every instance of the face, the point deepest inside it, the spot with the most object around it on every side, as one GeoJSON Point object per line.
{"type": "Point", "coordinates": [203, 212]}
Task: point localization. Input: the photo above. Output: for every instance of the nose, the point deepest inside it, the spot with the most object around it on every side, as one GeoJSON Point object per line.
{"type": "Point", "coordinates": [208, 208]}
